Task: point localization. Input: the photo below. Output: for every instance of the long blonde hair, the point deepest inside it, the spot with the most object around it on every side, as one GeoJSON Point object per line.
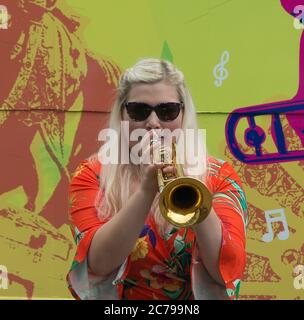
{"type": "Point", "coordinates": [119, 181]}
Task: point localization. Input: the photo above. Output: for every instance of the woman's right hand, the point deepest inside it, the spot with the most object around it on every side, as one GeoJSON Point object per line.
{"type": "Point", "coordinates": [149, 183]}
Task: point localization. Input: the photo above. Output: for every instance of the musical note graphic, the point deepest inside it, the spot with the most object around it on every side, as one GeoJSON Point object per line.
{"type": "Point", "coordinates": [276, 215]}
{"type": "Point", "coordinates": [298, 281]}
{"type": "Point", "coordinates": [219, 72]}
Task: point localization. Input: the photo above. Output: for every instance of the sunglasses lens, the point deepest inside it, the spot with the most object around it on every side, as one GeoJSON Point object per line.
{"type": "Point", "coordinates": [165, 111]}
{"type": "Point", "coordinates": [138, 111]}
{"type": "Point", "coordinates": [168, 111]}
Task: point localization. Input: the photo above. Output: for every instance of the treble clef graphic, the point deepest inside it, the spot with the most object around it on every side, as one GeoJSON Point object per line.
{"type": "Point", "coordinates": [219, 72]}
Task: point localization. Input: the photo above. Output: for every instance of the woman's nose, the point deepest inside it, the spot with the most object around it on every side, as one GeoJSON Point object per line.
{"type": "Point", "coordinates": [153, 122]}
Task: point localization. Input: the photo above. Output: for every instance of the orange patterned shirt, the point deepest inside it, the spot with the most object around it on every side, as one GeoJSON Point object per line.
{"type": "Point", "coordinates": [158, 267]}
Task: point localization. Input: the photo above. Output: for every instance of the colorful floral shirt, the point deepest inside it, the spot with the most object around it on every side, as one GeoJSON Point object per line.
{"type": "Point", "coordinates": [166, 267]}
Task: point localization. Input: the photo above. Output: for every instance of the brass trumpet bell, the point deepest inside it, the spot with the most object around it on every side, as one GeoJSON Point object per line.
{"type": "Point", "coordinates": [184, 201]}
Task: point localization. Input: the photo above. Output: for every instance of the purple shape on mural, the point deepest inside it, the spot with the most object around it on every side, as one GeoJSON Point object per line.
{"type": "Point", "coordinates": [293, 109]}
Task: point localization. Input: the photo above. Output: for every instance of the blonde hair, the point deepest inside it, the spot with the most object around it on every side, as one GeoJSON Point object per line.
{"type": "Point", "coordinates": [119, 181]}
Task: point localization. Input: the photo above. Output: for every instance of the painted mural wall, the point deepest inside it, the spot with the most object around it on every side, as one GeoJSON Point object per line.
{"type": "Point", "coordinates": [60, 62]}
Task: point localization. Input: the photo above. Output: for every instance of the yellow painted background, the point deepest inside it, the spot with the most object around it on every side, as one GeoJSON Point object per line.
{"type": "Point", "coordinates": [263, 67]}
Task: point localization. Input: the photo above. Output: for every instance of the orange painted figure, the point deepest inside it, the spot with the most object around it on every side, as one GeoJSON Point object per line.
{"type": "Point", "coordinates": [46, 72]}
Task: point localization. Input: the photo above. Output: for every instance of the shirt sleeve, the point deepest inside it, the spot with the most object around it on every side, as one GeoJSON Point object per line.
{"type": "Point", "coordinates": [229, 202]}
{"type": "Point", "coordinates": [83, 190]}
{"type": "Point", "coordinates": [82, 194]}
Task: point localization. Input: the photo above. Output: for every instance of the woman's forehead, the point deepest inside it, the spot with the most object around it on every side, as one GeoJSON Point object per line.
{"type": "Point", "coordinates": [154, 91]}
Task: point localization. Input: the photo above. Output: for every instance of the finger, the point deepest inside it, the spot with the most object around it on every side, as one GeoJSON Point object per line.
{"type": "Point", "coordinates": [169, 169]}
{"type": "Point", "coordinates": [151, 170]}
{"type": "Point", "coordinates": [159, 166]}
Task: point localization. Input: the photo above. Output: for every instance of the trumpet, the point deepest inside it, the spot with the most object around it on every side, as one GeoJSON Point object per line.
{"type": "Point", "coordinates": [184, 201]}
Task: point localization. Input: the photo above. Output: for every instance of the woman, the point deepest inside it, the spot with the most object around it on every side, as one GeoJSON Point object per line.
{"type": "Point", "coordinates": [125, 248]}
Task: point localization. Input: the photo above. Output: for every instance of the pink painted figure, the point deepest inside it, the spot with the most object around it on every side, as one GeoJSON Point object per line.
{"type": "Point", "coordinates": [293, 109]}
{"type": "Point", "coordinates": [297, 120]}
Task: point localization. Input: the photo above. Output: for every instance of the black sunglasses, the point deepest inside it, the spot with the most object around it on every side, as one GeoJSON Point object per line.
{"type": "Point", "coordinates": [166, 111]}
